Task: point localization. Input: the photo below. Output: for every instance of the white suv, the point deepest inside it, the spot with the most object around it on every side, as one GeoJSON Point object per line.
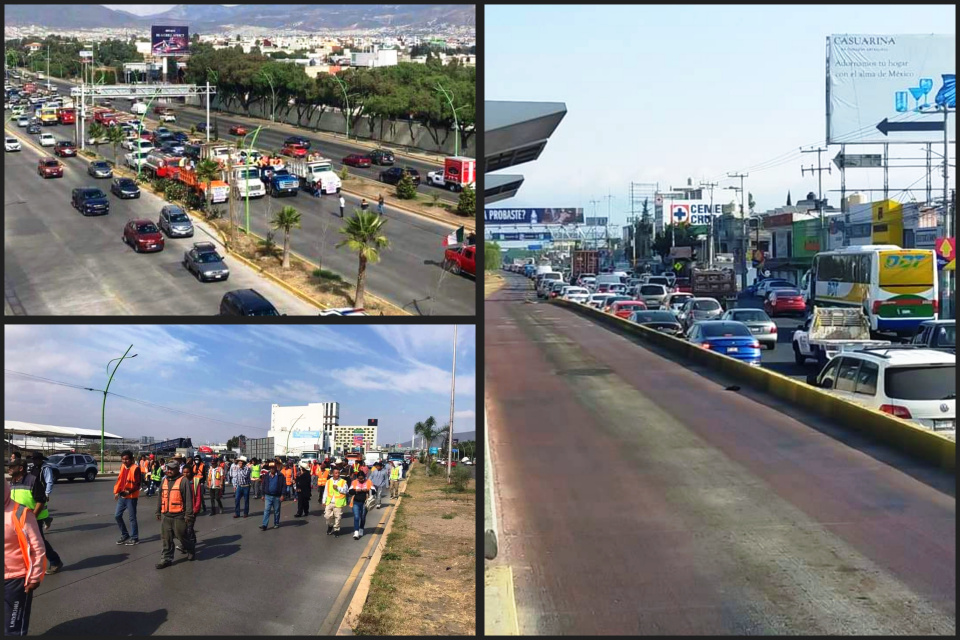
{"type": "Point", "coordinates": [47, 140]}
{"type": "Point", "coordinates": [910, 383]}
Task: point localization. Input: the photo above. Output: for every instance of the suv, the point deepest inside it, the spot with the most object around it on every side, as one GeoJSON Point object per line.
{"type": "Point", "coordinates": [50, 168]}
{"type": "Point", "coordinates": [72, 466]}
{"type": "Point", "coordinates": [381, 156]}
{"type": "Point", "coordinates": [246, 302]}
{"type": "Point", "coordinates": [90, 201]}
{"type": "Point", "coordinates": [175, 222]}
{"type": "Point", "coordinates": [204, 261]}
{"type": "Point", "coordinates": [914, 383]}
{"type": "Point", "coordinates": [298, 140]}
{"type": "Point", "coordinates": [394, 174]}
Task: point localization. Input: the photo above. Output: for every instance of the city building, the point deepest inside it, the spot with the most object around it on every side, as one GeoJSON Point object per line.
{"type": "Point", "coordinates": [146, 440]}
{"type": "Point", "coordinates": [304, 428]}
{"type": "Point", "coordinates": [374, 59]}
{"type": "Point", "coordinates": [345, 438]}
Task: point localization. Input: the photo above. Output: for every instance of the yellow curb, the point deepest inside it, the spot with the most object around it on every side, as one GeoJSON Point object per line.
{"type": "Point", "coordinates": [355, 608]}
{"type": "Point", "coordinates": [499, 603]}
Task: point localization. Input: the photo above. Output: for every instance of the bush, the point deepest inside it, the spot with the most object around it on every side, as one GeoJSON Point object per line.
{"type": "Point", "coordinates": [460, 477]}
{"type": "Point", "coordinates": [435, 200]}
{"type": "Point", "coordinates": [173, 191]}
{"type": "Point", "coordinates": [467, 205]}
{"type": "Point", "coordinates": [435, 468]}
{"type": "Point", "coordinates": [491, 256]}
{"type": "Point", "coordinates": [344, 174]}
{"type": "Point", "coordinates": [406, 190]}
{"type": "Point", "coordinates": [325, 274]}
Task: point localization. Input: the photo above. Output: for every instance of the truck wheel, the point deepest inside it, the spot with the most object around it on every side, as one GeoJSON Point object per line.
{"type": "Point", "coordinates": [798, 357]}
{"type": "Point", "coordinates": [455, 268]}
{"type": "Point", "coordinates": [453, 187]}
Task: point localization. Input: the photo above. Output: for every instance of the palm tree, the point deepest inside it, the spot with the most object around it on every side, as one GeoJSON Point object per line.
{"type": "Point", "coordinates": [429, 432]}
{"type": "Point", "coordinates": [286, 219]}
{"type": "Point", "coordinates": [114, 136]}
{"type": "Point", "coordinates": [207, 171]}
{"type": "Point", "coordinates": [364, 234]}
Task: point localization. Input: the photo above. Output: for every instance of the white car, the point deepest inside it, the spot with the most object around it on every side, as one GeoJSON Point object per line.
{"type": "Point", "coordinates": [168, 117]}
{"type": "Point", "coordinates": [135, 159]}
{"type": "Point", "coordinates": [11, 144]}
{"type": "Point", "coordinates": [590, 282]}
{"type": "Point", "coordinates": [139, 144]}
{"type": "Point", "coordinates": [47, 140]}
{"type": "Point", "coordinates": [653, 294]}
{"type": "Point", "coordinates": [914, 384]}
{"type": "Point", "coordinates": [466, 461]}
{"type": "Point", "coordinates": [23, 121]}
{"type": "Point", "coordinates": [596, 299]}
{"type": "Point", "coordinates": [576, 294]}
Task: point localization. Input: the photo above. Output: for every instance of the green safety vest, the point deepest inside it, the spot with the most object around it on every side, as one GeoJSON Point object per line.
{"type": "Point", "coordinates": [155, 475]}
{"type": "Point", "coordinates": [339, 499]}
{"type": "Point", "coordinates": [22, 494]}
{"type": "Point", "coordinates": [254, 472]}
{"type": "Point", "coordinates": [395, 473]}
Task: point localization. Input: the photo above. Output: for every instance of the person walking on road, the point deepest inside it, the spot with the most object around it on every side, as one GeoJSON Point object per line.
{"type": "Point", "coordinates": [322, 477]}
{"type": "Point", "coordinates": [27, 490]}
{"type": "Point", "coordinates": [289, 475]}
{"type": "Point", "coordinates": [196, 486]}
{"type": "Point", "coordinates": [176, 514]}
{"type": "Point", "coordinates": [256, 488]}
{"type": "Point", "coordinates": [343, 205]}
{"type": "Point", "coordinates": [364, 205]}
{"type": "Point", "coordinates": [336, 500]}
{"type": "Point", "coordinates": [126, 491]}
{"type": "Point", "coordinates": [394, 480]}
{"type": "Point", "coordinates": [273, 487]}
{"type": "Point", "coordinates": [304, 483]}
{"type": "Point", "coordinates": [45, 474]}
{"type": "Point", "coordinates": [380, 204]}
{"type": "Point", "coordinates": [242, 491]}
{"type": "Point", "coordinates": [156, 474]}
{"type": "Point", "coordinates": [380, 479]}
{"type": "Point", "coordinates": [360, 489]}
{"type": "Point", "coordinates": [200, 474]}
{"type": "Point", "coordinates": [24, 563]}
{"type": "Point", "coordinates": [215, 482]}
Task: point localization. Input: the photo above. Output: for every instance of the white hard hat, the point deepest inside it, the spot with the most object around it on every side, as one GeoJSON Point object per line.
{"type": "Point", "coordinates": [305, 464]}
{"type": "Point", "coordinates": [337, 461]}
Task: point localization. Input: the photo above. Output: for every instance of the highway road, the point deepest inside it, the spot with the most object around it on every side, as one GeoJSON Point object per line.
{"type": "Point", "coordinates": [292, 580]}
{"type": "Point", "coordinates": [638, 495]}
{"type": "Point", "coordinates": [410, 272]}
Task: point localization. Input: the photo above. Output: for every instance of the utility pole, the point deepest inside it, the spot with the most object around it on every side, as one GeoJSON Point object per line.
{"type": "Point", "coordinates": [950, 287]}
{"type": "Point", "coordinates": [595, 203]}
{"type": "Point", "coordinates": [606, 227]}
{"type": "Point", "coordinates": [453, 384]}
{"type": "Point", "coordinates": [743, 231]}
{"type": "Point", "coordinates": [819, 170]}
{"type": "Point", "coordinates": [712, 235]}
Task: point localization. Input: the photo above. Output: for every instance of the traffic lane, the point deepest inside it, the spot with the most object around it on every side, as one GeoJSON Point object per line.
{"type": "Point", "coordinates": [781, 359]}
{"type": "Point", "coordinates": [106, 589]}
{"type": "Point", "coordinates": [711, 524]}
{"type": "Point", "coordinates": [59, 262]}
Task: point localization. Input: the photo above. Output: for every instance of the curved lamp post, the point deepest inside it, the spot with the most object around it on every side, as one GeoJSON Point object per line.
{"type": "Point", "coordinates": [346, 100]}
{"type": "Point", "coordinates": [104, 407]}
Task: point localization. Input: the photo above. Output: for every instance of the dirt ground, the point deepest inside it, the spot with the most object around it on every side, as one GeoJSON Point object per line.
{"type": "Point", "coordinates": [371, 190]}
{"type": "Point", "coordinates": [491, 282]}
{"type": "Point", "coordinates": [425, 583]}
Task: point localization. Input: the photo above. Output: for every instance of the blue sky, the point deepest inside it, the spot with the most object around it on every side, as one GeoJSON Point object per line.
{"type": "Point", "coordinates": [663, 93]}
{"type": "Point", "coordinates": [398, 374]}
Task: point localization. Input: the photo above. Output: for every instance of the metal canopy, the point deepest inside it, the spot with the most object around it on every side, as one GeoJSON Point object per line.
{"type": "Point", "coordinates": [142, 90]}
{"type": "Point", "coordinates": [500, 187]}
{"type": "Point", "coordinates": [13, 427]}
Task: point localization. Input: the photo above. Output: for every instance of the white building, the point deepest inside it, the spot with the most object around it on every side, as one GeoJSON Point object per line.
{"type": "Point", "coordinates": [303, 428]}
{"type": "Point", "coordinates": [345, 438]}
{"type": "Point", "coordinates": [376, 58]}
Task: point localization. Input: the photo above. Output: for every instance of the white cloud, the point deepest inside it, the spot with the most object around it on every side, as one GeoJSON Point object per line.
{"type": "Point", "coordinates": [297, 339]}
{"type": "Point", "coordinates": [418, 378]}
{"type": "Point", "coordinates": [412, 341]}
{"type": "Point", "coordinates": [467, 413]}
{"type": "Point", "coordinates": [249, 391]}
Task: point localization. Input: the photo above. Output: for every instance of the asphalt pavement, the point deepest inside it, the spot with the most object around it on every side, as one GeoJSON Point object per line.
{"type": "Point", "coordinates": [243, 582]}
{"type": "Point", "coordinates": [638, 494]}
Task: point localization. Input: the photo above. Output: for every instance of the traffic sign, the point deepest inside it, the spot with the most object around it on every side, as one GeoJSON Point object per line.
{"type": "Point", "coordinates": [677, 266]}
{"type": "Point", "coordinates": [946, 249]}
{"type": "Point", "coordinates": [858, 160]}
{"type": "Point", "coordinates": [885, 126]}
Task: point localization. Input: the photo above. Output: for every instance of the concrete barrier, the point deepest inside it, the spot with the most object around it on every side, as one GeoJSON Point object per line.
{"type": "Point", "coordinates": [904, 435]}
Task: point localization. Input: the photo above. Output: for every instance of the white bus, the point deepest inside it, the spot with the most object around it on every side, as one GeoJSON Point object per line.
{"type": "Point", "coordinates": [896, 288]}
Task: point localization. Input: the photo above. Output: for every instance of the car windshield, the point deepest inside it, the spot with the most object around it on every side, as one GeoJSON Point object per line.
{"type": "Point", "coordinates": [658, 280]}
{"type": "Point", "coordinates": [724, 330]}
{"type": "Point", "coordinates": [207, 258]}
{"type": "Point", "coordinates": [94, 193]}
{"type": "Point", "coordinates": [750, 315]}
{"type": "Point", "coordinates": [680, 299]}
{"type": "Point", "coordinates": [100, 165]}
{"type": "Point", "coordinates": [921, 383]}
{"type": "Point", "coordinates": [55, 459]}
{"type": "Point", "coordinates": [148, 227]}
{"type": "Point", "coordinates": [706, 305]}
{"type": "Point", "coordinates": [179, 216]}
{"type": "Point", "coordinates": [655, 316]}
{"type": "Point", "coordinates": [651, 290]}
{"type": "Point", "coordinates": [266, 311]}
{"type": "Point", "coordinates": [51, 163]}
{"type": "Point", "coordinates": [127, 183]}
{"type": "Point", "coordinates": [947, 336]}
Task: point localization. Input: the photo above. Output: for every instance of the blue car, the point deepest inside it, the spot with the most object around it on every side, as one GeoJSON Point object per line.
{"type": "Point", "coordinates": [728, 338]}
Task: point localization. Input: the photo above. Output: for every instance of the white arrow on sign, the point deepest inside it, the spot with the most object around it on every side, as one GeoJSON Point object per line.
{"type": "Point", "coordinates": [858, 160]}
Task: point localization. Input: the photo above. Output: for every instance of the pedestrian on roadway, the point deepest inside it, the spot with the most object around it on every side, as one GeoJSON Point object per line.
{"type": "Point", "coordinates": [196, 486]}
{"type": "Point", "coordinates": [273, 487]}
{"type": "Point", "coordinates": [360, 489]}
{"type": "Point", "coordinates": [200, 473]}
{"type": "Point", "coordinates": [24, 563]}
{"type": "Point", "coordinates": [215, 482]}
{"type": "Point", "coordinates": [226, 474]}
{"type": "Point", "coordinates": [45, 474]}
{"type": "Point", "coordinates": [154, 477]}
{"type": "Point", "coordinates": [126, 491]}
{"type": "Point", "coordinates": [380, 479]}
{"type": "Point", "coordinates": [394, 480]}
{"type": "Point", "coordinates": [364, 205]}
{"type": "Point", "coordinates": [336, 500]}
{"type": "Point", "coordinates": [176, 514]}
{"type": "Point", "coordinates": [289, 476]}
{"type": "Point", "coordinates": [380, 204]}
{"type": "Point", "coordinates": [304, 483]}
{"type": "Point", "coordinates": [27, 490]}
{"type": "Point", "coordinates": [256, 487]}
{"type": "Point", "coordinates": [322, 477]}
{"type": "Point", "coordinates": [343, 204]}
{"type": "Point", "coordinates": [242, 491]}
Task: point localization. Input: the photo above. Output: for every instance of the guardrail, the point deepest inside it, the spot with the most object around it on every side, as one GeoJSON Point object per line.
{"type": "Point", "coordinates": [906, 436]}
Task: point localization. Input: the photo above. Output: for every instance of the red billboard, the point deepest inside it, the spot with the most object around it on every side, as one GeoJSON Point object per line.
{"type": "Point", "coordinates": [169, 41]}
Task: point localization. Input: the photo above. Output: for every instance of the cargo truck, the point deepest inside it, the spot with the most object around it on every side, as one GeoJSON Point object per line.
{"type": "Point", "coordinates": [583, 261]}
{"type": "Point", "coordinates": [283, 183]}
{"type": "Point", "coordinates": [458, 172]}
{"type": "Point", "coordinates": [246, 181]}
{"type": "Point", "coordinates": [315, 175]}
{"type": "Point", "coordinates": [719, 284]}
{"type": "Point", "coordinates": [829, 330]}
{"type": "Point", "coordinates": [220, 190]}
{"type": "Point", "coordinates": [260, 448]}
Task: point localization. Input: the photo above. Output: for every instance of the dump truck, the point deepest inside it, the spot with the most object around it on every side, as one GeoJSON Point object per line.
{"type": "Point", "coordinates": [220, 190]}
{"type": "Point", "coordinates": [829, 330]}
{"type": "Point", "coordinates": [719, 284]}
{"type": "Point", "coordinates": [315, 175]}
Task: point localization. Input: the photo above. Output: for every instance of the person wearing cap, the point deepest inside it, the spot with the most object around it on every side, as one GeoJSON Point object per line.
{"type": "Point", "coordinates": [176, 514]}
{"type": "Point", "coordinates": [24, 563]}
{"type": "Point", "coordinates": [322, 476]}
{"type": "Point", "coordinates": [273, 484]}
{"type": "Point", "coordinates": [304, 483]}
{"type": "Point", "coordinates": [336, 500]}
{"type": "Point", "coordinates": [126, 491]}
{"type": "Point", "coordinates": [241, 480]}
{"type": "Point", "coordinates": [195, 485]}
{"type": "Point", "coordinates": [380, 479]}
{"type": "Point", "coordinates": [360, 488]}
{"type": "Point", "coordinates": [290, 474]}
{"type": "Point", "coordinates": [26, 490]}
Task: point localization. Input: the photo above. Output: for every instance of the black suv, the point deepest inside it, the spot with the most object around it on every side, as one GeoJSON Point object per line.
{"type": "Point", "coordinates": [393, 175]}
{"type": "Point", "coordinates": [381, 156]}
{"type": "Point", "coordinates": [72, 466]}
{"type": "Point", "coordinates": [90, 201]}
{"type": "Point", "coordinates": [299, 140]}
{"type": "Point", "coordinates": [246, 302]}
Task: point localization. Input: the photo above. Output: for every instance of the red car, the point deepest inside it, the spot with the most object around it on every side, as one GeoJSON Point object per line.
{"type": "Point", "coordinates": [50, 168]}
{"type": "Point", "coordinates": [624, 308]}
{"type": "Point", "coordinates": [65, 148]}
{"type": "Point", "coordinates": [784, 301]}
{"type": "Point", "coordinates": [143, 235]}
{"type": "Point", "coordinates": [294, 151]}
{"type": "Point", "coordinates": [238, 131]}
{"type": "Point", "coordinates": [357, 160]}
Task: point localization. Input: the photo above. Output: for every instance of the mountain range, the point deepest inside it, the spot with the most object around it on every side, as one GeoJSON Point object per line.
{"type": "Point", "coordinates": [211, 17]}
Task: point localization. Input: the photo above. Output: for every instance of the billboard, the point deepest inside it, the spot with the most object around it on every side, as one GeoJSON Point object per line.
{"type": "Point", "coordinates": [568, 215]}
{"type": "Point", "coordinates": [886, 88]}
{"type": "Point", "coordinates": [692, 212]}
{"type": "Point", "coordinates": [305, 434]}
{"type": "Point", "coordinates": [597, 222]}
{"type": "Point", "coordinates": [529, 235]}
{"type": "Point", "coordinates": [169, 41]}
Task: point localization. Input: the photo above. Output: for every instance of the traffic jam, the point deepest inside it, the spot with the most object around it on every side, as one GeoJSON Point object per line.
{"type": "Point", "coordinates": [903, 364]}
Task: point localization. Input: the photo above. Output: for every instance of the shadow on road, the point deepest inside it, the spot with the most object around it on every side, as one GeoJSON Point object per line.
{"type": "Point", "coordinates": [80, 527]}
{"type": "Point", "coordinates": [98, 561]}
{"type": "Point", "coordinates": [216, 552]}
{"type": "Point", "coordinates": [113, 623]}
{"type": "Point", "coordinates": [209, 542]}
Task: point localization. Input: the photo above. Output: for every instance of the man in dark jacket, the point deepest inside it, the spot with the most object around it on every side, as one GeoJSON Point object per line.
{"type": "Point", "coordinates": [176, 513]}
{"type": "Point", "coordinates": [303, 483]}
{"type": "Point", "coordinates": [273, 487]}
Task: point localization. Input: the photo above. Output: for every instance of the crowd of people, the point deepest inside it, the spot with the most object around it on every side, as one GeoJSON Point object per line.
{"type": "Point", "coordinates": [181, 486]}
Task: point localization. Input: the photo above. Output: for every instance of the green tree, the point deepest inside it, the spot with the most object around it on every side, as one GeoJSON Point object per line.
{"type": "Point", "coordinates": [364, 235]}
{"type": "Point", "coordinates": [467, 205]}
{"type": "Point", "coordinates": [429, 432]}
{"type": "Point", "coordinates": [406, 190]}
{"type": "Point", "coordinates": [492, 257]}
{"type": "Point", "coordinates": [286, 219]}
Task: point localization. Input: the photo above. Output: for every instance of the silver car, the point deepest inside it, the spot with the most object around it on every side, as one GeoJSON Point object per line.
{"type": "Point", "coordinates": [175, 222]}
{"type": "Point", "coordinates": [204, 261]}
{"type": "Point", "coordinates": [100, 169]}
{"type": "Point", "coordinates": [653, 294]}
{"type": "Point", "coordinates": [697, 309]}
{"type": "Point", "coordinates": [761, 326]}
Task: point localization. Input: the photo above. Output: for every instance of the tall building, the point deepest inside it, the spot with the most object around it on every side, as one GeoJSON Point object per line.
{"type": "Point", "coordinates": [304, 428]}
{"type": "Point", "coordinates": [345, 438]}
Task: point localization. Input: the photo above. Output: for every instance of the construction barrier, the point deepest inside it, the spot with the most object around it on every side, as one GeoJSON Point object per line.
{"type": "Point", "coordinates": [904, 435]}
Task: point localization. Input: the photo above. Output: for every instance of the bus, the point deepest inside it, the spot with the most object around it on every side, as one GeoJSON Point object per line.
{"type": "Point", "coordinates": [895, 287]}
{"type": "Point", "coordinates": [49, 116]}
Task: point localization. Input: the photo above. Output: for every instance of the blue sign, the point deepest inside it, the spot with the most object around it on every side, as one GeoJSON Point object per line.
{"type": "Point", "coordinates": [434, 450]}
{"type": "Point", "coordinates": [566, 215]}
{"type": "Point", "coordinates": [305, 434]}
{"type": "Point", "coordinates": [545, 235]}
{"type": "Point", "coordinates": [534, 247]}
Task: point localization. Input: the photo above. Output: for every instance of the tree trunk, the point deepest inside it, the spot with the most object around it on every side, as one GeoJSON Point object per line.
{"type": "Point", "coordinates": [361, 274]}
{"type": "Point", "coordinates": [286, 248]}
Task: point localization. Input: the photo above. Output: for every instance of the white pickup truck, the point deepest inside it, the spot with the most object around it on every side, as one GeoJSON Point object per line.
{"type": "Point", "coordinates": [829, 330]}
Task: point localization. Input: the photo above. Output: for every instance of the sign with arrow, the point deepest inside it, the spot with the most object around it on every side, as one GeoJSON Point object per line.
{"type": "Point", "coordinates": [885, 126]}
{"type": "Point", "coordinates": [858, 160]}
{"type": "Point", "coordinates": [946, 249]}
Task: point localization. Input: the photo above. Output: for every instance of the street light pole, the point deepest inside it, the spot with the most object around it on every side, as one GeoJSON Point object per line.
{"type": "Point", "coordinates": [453, 384]}
{"type": "Point", "coordinates": [456, 126]}
{"type": "Point", "coordinates": [743, 232]}
{"type": "Point", "coordinates": [103, 409]}
{"type": "Point", "coordinates": [346, 100]}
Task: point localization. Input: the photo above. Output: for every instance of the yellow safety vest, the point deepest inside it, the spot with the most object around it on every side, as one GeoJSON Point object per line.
{"type": "Point", "coordinates": [22, 494]}
{"type": "Point", "coordinates": [339, 499]}
{"type": "Point", "coordinates": [254, 472]}
{"type": "Point", "coordinates": [395, 473]}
